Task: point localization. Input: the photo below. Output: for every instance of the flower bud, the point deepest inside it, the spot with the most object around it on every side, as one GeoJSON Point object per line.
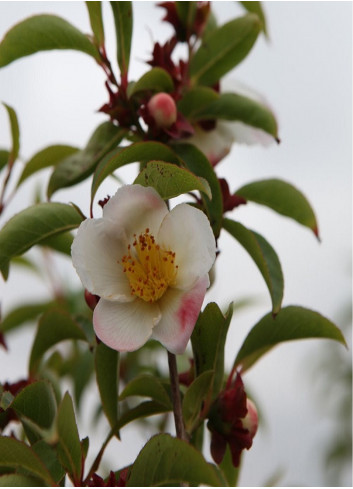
{"type": "Point", "coordinates": [250, 422]}
{"type": "Point", "coordinates": [91, 299]}
{"type": "Point", "coordinates": [162, 109]}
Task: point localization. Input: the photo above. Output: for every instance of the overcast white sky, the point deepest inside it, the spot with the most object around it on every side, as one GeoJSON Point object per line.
{"type": "Point", "coordinates": [305, 72]}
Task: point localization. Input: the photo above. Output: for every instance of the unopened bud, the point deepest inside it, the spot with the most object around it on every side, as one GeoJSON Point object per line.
{"type": "Point", "coordinates": [162, 109]}
{"type": "Point", "coordinates": [91, 299]}
{"type": "Point", "coordinates": [250, 421]}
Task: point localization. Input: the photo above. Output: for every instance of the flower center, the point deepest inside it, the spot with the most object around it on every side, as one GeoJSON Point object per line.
{"type": "Point", "coordinates": [149, 268]}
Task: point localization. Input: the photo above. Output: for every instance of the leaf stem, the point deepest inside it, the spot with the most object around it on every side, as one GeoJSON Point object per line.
{"type": "Point", "coordinates": [174, 382]}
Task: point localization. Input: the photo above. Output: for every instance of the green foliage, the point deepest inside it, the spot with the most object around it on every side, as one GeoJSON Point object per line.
{"type": "Point", "coordinates": [223, 49]}
{"type": "Point", "coordinates": [155, 80]}
{"type": "Point", "coordinates": [170, 180]}
{"type": "Point", "coordinates": [33, 225]}
{"type": "Point", "coordinates": [23, 314]}
{"type": "Point", "coordinates": [264, 257]}
{"type": "Point", "coordinates": [194, 398]}
{"type": "Point", "coordinates": [208, 343]}
{"type": "Point", "coordinates": [123, 19]}
{"type": "Point", "coordinates": [42, 33]}
{"type": "Point", "coordinates": [15, 131]}
{"type": "Point", "coordinates": [96, 21]}
{"type": "Point", "coordinates": [256, 8]}
{"type": "Point", "coordinates": [107, 366]}
{"type": "Point", "coordinates": [172, 461]}
{"type": "Point", "coordinates": [4, 158]}
{"type": "Point", "coordinates": [147, 386]}
{"type": "Point", "coordinates": [82, 164]}
{"type": "Point", "coordinates": [283, 198]}
{"type": "Point", "coordinates": [292, 323]}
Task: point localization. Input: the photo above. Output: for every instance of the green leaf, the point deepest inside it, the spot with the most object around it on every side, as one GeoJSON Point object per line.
{"type": "Point", "coordinates": [223, 49]}
{"type": "Point", "coordinates": [170, 180]}
{"type": "Point", "coordinates": [31, 226]}
{"type": "Point", "coordinates": [15, 454]}
{"type": "Point", "coordinates": [194, 397]}
{"type": "Point", "coordinates": [48, 456]}
{"type": "Point", "coordinates": [256, 8]}
{"type": "Point", "coordinates": [54, 326]}
{"type": "Point", "coordinates": [23, 314]}
{"type": "Point", "coordinates": [137, 152]}
{"type": "Point", "coordinates": [283, 198]}
{"type": "Point", "coordinates": [194, 100]}
{"type": "Point", "coordinates": [41, 413]}
{"type": "Point", "coordinates": [15, 131]}
{"type": "Point", "coordinates": [147, 386]}
{"type": "Point", "coordinates": [60, 242]}
{"type": "Point", "coordinates": [197, 162]}
{"type": "Point", "coordinates": [123, 19]}
{"type": "Point", "coordinates": [291, 323]}
{"type": "Point", "coordinates": [96, 21]}
{"type": "Point", "coordinates": [107, 366]}
{"type": "Point", "coordinates": [186, 12]}
{"type": "Point", "coordinates": [82, 371]}
{"type": "Point", "coordinates": [69, 449]}
{"type": "Point", "coordinates": [18, 480]}
{"type": "Point", "coordinates": [234, 107]}
{"type": "Point", "coordinates": [208, 342]}
{"type": "Point", "coordinates": [43, 33]}
{"type": "Point", "coordinates": [143, 410]}
{"type": "Point", "coordinates": [230, 472]}
{"type": "Point", "coordinates": [46, 157]}
{"type": "Point", "coordinates": [155, 80]}
{"type": "Point", "coordinates": [80, 165]}
{"type": "Point", "coordinates": [4, 158]}
{"type": "Point", "coordinates": [264, 257]}
{"type": "Point", "coordinates": [166, 461]}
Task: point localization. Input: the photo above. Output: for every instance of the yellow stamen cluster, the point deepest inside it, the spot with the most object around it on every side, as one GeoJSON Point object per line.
{"type": "Point", "coordinates": [149, 268]}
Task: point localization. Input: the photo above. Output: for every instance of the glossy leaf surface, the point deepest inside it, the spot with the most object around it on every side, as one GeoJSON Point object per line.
{"type": "Point", "coordinates": [170, 180]}
{"type": "Point", "coordinates": [283, 198]}
{"type": "Point", "coordinates": [166, 461]}
{"type": "Point", "coordinates": [223, 49]}
{"type": "Point", "coordinates": [32, 225]}
{"type": "Point", "coordinates": [42, 33]}
{"type": "Point", "coordinates": [155, 80]}
{"type": "Point", "coordinates": [291, 323]}
{"type": "Point", "coordinates": [264, 256]}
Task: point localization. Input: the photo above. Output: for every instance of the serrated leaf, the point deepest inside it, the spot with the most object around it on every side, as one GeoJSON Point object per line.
{"type": "Point", "coordinates": [69, 448]}
{"type": "Point", "coordinates": [96, 21]}
{"type": "Point", "coordinates": [208, 343]}
{"type": "Point", "coordinates": [147, 386]}
{"type": "Point", "coordinates": [166, 461]}
{"type": "Point", "coordinates": [106, 365]}
{"type": "Point", "coordinates": [80, 165]}
{"type": "Point", "coordinates": [155, 80]}
{"type": "Point", "coordinates": [223, 49]}
{"type": "Point", "coordinates": [54, 326]}
{"type": "Point", "coordinates": [194, 397]}
{"type": "Point", "coordinates": [264, 257]}
{"type": "Point", "coordinates": [122, 12]}
{"type": "Point", "coordinates": [15, 454]}
{"type": "Point", "coordinates": [256, 8]}
{"type": "Point", "coordinates": [291, 323]}
{"type": "Point", "coordinates": [235, 107]}
{"type": "Point", "coordinates": [170, 180]}
{"type": "Point", "coordinates": [23, 314]}
{"type": "Point", "coordinates": [283, 198]}
{"type": "Point", "coordinates": [197, 162]}
{"type": "Point", "coordinates": [137, 152]}
{"type": "Point", "coordinates": [42, 33]}
{"type": "Point", "coordinates": [49, 156]}
{"type": "Point", "coordinates": [31, 226]}
{"type": "Point", "coordinates": [15, 131]}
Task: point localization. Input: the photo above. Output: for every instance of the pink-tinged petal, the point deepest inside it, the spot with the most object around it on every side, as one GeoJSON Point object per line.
{"type": "Point", "coordinates": [245, 134]}
{"type": "Point", "coordinates": [132, 209]}
{"type": "Point", "coordinates": [215, 144]}
{"type": "Point", "coordinates": [95, 256]}
{"type": "Point", "coordinates": [179, 314]}
{"type": "Point", "coordinates": [187, 232]}
{"type": "Point", "coordinates": [125, 326]}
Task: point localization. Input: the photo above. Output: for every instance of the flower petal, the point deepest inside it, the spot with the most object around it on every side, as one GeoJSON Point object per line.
{"type": "Point", "coordinates": [179, 315]}
{"type": "Point", "coordinates": [95, 256]}
{"type": "Point", "coordinates": [125, 326]}
{"type": "Point", "coordinates": [132, 209]}
{"type": "Point", "coordinates": [187, 232]}
{"type": "Point", "coordinates": [215, 144]}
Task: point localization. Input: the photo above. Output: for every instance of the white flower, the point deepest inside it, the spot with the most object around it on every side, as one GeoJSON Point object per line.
{"type": "Point", "coordinates": [148, 265]}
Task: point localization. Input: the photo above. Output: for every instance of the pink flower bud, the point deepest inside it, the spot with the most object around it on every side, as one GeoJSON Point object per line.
{"type": "Point", "coordinates": [250, 422]}
{"type": "Point", "coordinates": [91, 299]}
{"type": "Point", "coordinates": [163, 110]}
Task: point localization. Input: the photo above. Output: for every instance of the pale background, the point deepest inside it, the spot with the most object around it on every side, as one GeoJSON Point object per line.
{"type": "Point", "coordinates": [305, 72]}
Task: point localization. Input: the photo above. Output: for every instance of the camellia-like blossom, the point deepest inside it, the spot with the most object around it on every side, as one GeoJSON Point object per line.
{"type": "Point", "coordinates": [148, 265]}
